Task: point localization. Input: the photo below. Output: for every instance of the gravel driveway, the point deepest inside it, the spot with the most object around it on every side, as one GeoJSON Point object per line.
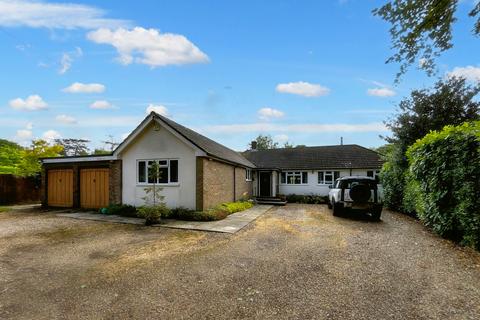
{"type": "Point", "coordinates": [294, 262]}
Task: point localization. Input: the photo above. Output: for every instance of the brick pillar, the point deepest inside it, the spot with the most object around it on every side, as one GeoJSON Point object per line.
{"type": "Point", "coordinates": [115, 182]}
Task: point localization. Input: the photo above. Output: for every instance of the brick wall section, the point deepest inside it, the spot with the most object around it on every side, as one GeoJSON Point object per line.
{"type": "Point", "coordinates": [199, 184]}
{"type": "Point", "coordinates": [115, 183]}
{"type": "Point", "coordinates": [215, 183]}
{"type": "Point", "coordinates": [243, 188]}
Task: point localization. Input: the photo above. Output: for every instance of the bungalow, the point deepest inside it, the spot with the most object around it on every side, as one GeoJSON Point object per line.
{"type": "Point", "coordinates": [195, 171]}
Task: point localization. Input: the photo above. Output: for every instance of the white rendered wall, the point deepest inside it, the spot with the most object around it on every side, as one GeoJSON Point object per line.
{"type": "Point", "coordinates": [161, 144]}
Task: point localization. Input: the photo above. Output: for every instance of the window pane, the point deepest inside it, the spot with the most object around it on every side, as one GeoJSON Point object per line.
{"type": "Point", "coordinates": [304, 177]}
{"type": "Point", "coordinates": [163, 175]}
{"type": "Point", "coordinates": [141, 172]}
{"type": "Point", "coordinates": [320, 177]}
{"type": "Point", "coordinates": [290, 180]}
{"type": "Point", "coordinates": [370, 173]}
{"type": "Point", "coordinates": [297, 179]}
{"type": "Point", "coordinates": [284, 178]}
{"type": "Point", "coordinates": [336, 175]}
{"type": "Point", "coordinates": [151, 173]}
{"type": "Point", "coordinates": [162, 162]}
{"type": "Point", "coordinates": [328, 178]}
{"type": "Point", "coordinates": [173, 170]}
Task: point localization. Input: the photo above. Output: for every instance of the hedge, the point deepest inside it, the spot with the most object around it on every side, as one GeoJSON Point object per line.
{"type": "Point", "coordinates": [445, 182]}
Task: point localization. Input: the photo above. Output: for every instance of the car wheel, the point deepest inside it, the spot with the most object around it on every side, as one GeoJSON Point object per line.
{"type": "Point", "coordinates": [337, 209]}
{"type": "Point", "coordinates": [377, 213]}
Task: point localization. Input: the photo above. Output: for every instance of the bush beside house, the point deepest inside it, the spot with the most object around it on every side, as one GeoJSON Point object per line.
{"type": "Point", "coordinates": [444, 182]}
{"type": "Point", "coordinates": [158, 212]}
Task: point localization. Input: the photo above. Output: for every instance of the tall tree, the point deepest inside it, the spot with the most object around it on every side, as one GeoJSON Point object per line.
{"type": "Point", "coordinates": [450, 102]}
{"type": "Point", "coordinates": [265, 142]}
{"type": "Point", "coordinates": [73, 147]}
{"type": "Point", "coordinates": [30, 163]}
{"type": "Point", "coordinates": [421, 30]}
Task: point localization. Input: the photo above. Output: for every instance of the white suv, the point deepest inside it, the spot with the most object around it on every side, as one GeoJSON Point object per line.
{"type": "Point", "coordinates": [356, 193]}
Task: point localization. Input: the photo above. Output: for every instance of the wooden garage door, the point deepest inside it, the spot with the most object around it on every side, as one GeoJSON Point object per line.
{"type": "Point", "coordinates": [60, 188]}
{"type": "Point", "coordinates": [94, 190]}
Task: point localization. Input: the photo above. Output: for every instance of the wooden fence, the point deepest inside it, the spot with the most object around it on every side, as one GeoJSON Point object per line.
{"type": "Point", "coordinates": [16, 190]}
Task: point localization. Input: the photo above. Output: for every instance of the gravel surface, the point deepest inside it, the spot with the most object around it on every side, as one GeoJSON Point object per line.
{"type": "Point", "coordinates": [294, 262]}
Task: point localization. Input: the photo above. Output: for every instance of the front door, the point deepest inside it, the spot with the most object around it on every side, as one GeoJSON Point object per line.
{"type": "Point", "coordinates": [265, 184]}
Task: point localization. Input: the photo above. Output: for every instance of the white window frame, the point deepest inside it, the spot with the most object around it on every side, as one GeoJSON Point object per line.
{"type": "Point", "coordinates": [293, 174]}
{"type": "Point", "coordinates": [169, 183]}
{"type": "Point", "coordinates": [330, 173]}
{"type": "Point", "coordinates": [248, 174]}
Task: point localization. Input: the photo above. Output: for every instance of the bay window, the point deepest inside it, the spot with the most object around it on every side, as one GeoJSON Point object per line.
{"type": "Point", "coordinates": [167, 171]}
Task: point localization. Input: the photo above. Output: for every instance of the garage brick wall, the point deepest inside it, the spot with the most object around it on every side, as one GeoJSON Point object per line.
{"type": "Point", "coordinates": [219, 182]}
{"type": "Point", "coordinates": [115, 183]}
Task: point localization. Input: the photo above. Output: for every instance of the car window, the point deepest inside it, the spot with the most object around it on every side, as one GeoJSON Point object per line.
{"type": "Point", "coordinates": [348, 184]}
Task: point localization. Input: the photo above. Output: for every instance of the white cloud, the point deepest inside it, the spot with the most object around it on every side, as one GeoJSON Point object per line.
{"type": "Point", "coordinates": [78, 87]}
{"type": "Point", "coordinates": [65, 63]}
{"type": "Point", "coordinates": [32, 103]}
{"type": "Point", "coordinates": [63, 118]}
{"type": "Point", "coordinates": [303, 89]}
{"type": "Point", "coordinates": [161, 110]}
{"type": "Point", "coordinates": [269, 113]}
{"type": "Point", "coordinates": [51, 135]}
{"type": "Point", "coordinates": [101, 104]}
{"type": "Point", "coordinates": [23, 134]}
{"type": "Point", "coordinates": [281, 138]}
{"type": "Point", "coordinates": [470, 73]}
{"type": "Point", "coordinates": [67, 59]}
{"type": "Point", "coordinates": [29, 126]}
{"type": "Point", "coordinates": [37, 14]}
{"type": "Point", "coordinates": [381, 92]}
{"type": "Point", "coordinates": [295, 128]}
{"type": "Point", "coordinates": [149, 46]}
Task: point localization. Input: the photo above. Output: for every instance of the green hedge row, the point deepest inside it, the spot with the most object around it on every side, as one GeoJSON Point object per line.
{"type": "Point", "coordinates": [443, 182]}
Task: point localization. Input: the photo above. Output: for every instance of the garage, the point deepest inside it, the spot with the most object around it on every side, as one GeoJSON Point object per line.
{"type": "Point", "coordinates": [89, 182]}
{"type": "Point", "coordinates": [94, 188]}
{"type": "Point", "coordinates": [60, 188]}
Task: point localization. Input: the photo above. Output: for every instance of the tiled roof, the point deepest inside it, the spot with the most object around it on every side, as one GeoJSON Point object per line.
{"type": "Point", "coordinates": [207, 145]}
{"type": "Point", "coordinates": [324, 157]}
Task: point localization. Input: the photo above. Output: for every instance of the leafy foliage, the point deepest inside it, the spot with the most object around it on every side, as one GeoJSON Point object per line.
{"type": "Point", "coordinates": [123, 210]}
{"type": "Point", "coordinates": [30, 164]}
{"type": "Point", "coordinates": [265, 142]}
{"type": "Point", "coordinates": [445, 166]}
{"type": "Point", "coordinates": [232, 207]}
{"type": "Point", "coordinates": [10, 157]}
{"type": "Point", "coordinates": [308, 199]}
{"type": "Point", "coordinates": [153, 214]}
{"type": "Point", "coordinates": [450, 102]}
{"type": "Point", "coordinates": [155, 207]}
{"type": "Point", "coordinates": [421, 30]}
{"type": "Point", "coordinates": [73, 147]}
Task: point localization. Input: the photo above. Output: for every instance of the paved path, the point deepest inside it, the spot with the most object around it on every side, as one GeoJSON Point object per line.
{"type": "Point", "coordinates": [230, 224]}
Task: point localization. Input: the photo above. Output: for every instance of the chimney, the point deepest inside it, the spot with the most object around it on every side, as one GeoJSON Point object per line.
{"type": "Point", "coordinates": [254, 145]}
{"type": "Point", "coordinates": [341, 141]}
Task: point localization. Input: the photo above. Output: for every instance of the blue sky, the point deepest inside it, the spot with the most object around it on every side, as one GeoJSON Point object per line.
{"type": "Point", "coordinates": [304, 71]}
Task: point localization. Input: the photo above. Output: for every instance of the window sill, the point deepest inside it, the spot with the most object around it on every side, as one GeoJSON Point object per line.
{"type": "Point", "coordinates": [158, 185]}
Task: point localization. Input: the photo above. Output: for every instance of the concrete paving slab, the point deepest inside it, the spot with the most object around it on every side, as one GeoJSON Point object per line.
{"type": "Point", "coordinates": [230, 224]}
{"type": "Point", "coordinates": [102, 217]}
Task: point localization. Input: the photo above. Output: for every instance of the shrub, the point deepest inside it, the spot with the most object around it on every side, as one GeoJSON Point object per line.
{"type": "Point", "coordinates": [446, 168]}
{"type": "Point", "coordinates": [307, 199]}
{"type": "Point", "coordinates": [124, 210]}
{"type": "Point", "coordinates": [232, 207]}
{"type": "Point", "coordinates": [153, 214]}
